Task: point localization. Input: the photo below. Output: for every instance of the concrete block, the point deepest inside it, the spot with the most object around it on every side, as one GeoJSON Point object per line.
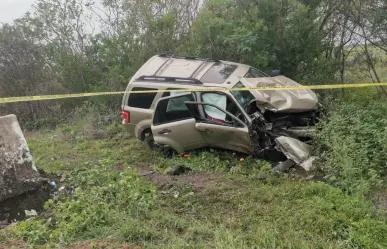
{"type": "Point", "coordinates": [18, 173]}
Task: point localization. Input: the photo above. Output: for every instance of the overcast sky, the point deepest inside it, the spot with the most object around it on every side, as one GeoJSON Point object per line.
{"type": "Point", "coordinates": [12, 9]}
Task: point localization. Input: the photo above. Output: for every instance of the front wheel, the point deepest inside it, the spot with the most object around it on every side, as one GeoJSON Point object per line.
{"type": "Point", "coordinates": [149, 141]}
{"type": "Point", "coordinates": [151, 144]}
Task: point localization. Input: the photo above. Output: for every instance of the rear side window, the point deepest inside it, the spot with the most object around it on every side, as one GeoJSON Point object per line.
{"type": "Point", "coordinates": [168, 94]}
{"type": "Point", "coordinates": [142, 100]}
{"type": "Point", "coordinates": [171, 110]}
{"type": "Point", "coordinates": [218, 73]}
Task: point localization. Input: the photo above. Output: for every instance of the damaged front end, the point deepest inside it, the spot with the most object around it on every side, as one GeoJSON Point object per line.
{"type": "Point", "coordinates": [280, 141]}
{"type": "Point", "coordinates": [283, 122]}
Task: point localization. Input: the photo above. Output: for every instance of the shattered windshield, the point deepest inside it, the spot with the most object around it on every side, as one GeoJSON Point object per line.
{"type": "Point", "coordinates": [255, 73]}
{"type": "Point", "coordinates": [218, 73]}
{"type": "Point", "coordinates": [244, 98]}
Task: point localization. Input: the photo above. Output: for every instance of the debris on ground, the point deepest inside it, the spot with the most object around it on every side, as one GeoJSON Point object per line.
{"type": "Point", "coordinates": [147, 173]}
{"type": "Point", "coordinates": [53, 185]}
{"type": "Point", "coordinates": [282, 167]}
{"type": "Point", "coordinates": [63, 177]}
{"type": "Point", "coordinates": [179, 170]}
{"type": "Point", "coordinates": [30, 213]}
{"type": "Point", "coordinates": [18, 173]}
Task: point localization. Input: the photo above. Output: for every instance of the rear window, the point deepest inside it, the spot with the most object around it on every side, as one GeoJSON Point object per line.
{"type": "Point", "coordinates": [171, 110]}
{"type": "Point", "coordinates": [218, 73]}
{"type": "Point", "coordinates": [142, 100]}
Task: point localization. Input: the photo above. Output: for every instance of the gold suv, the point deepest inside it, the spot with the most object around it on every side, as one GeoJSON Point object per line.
{"type": "Point", "coordinates": [262, 123]}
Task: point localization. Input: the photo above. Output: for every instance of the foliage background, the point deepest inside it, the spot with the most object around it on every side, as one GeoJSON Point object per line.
{"type": "Point", "coordinates": [73, 46]}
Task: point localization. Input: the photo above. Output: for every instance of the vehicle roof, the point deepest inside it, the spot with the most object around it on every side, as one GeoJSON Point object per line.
{"type": "Point", "coordinates": [185, 67]}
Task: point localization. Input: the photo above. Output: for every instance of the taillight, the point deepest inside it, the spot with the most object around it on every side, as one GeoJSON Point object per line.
{"type": "Point", "coordinates": [125, 117]}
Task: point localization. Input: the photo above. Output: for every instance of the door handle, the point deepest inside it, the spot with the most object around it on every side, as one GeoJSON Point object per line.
{"type": "Point", "coordinates": [207, 130]}
{"type": "Point", "coordinates": [165, 132]}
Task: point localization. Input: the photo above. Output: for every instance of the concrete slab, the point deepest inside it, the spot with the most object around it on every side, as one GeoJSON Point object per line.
{"type": "Point", "coordinates": [18, 173]}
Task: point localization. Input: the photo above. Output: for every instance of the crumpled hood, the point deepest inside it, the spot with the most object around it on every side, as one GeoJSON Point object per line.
{"type": "Point", "coordinates": [282, 100]}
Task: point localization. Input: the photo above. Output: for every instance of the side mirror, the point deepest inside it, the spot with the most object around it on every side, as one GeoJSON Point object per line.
{"type": "Point", "coordinates": [275, 73]}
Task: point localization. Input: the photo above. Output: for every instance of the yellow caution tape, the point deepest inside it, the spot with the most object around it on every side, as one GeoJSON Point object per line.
{"type": "Point", "coordinates": [205, 89]}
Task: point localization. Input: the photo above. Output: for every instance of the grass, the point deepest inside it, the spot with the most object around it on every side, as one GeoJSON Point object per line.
{"type": "Point", "coordinates": [212, 208]}
{"type": "Point", "coordinates": [67, 149]}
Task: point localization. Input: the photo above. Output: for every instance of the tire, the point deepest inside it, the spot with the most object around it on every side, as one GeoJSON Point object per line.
{"type": "Point", "coordinates": [168, 153]}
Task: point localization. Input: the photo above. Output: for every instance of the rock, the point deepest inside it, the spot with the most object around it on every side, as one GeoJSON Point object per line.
{"type": "Point", "coordinates": [18, 173]}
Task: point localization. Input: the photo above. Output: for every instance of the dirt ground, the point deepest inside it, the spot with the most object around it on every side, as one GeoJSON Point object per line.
{"type": "Point", "coordinates": [101, 245]}
{"type": "Point", "coordinates": [197, 181]}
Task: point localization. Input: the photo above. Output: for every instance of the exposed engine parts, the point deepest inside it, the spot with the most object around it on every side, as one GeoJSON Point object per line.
{"type": "Point", "coordinates": [260, 139]}
{"type": "Point", "coordinates": [284, 137]}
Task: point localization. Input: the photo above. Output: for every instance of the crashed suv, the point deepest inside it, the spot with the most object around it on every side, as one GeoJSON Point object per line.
{"type": "Point", "coordinates": [276, 125]}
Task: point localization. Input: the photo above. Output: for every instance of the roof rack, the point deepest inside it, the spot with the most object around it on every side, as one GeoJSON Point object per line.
{"type": "Point", "coordinates": [189, 57]}
{"type": "Point", "coordinates": [165, 62]}
{"type": "Point", "coordinates": [198, 68]}
{"type": "Point", "coordinates": [153, 78]}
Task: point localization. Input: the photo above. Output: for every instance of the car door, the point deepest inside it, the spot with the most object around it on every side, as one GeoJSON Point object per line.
{"type": "Point", "coordinates": [230, 133]}
{"type": "Point", "coordinates": [174, 125]}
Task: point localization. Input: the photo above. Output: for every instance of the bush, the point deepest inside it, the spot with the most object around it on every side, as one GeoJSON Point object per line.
{"type": "Point", "coordinates": [33, 231]}
{"type": "Point", "coordinates": [352, 144]}
{"type": "Point", "coordinates": [93, 121]}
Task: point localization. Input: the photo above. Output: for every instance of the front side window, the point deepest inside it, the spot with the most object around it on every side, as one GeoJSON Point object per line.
{"type": "Point", "coordinates": [224, 102]}
{"type": "Point", "coordinates": [218, 100]}
{"type": "Point", "coordinates": [172, 110]}
{"type": "Point", "coordinates": [142, 100]}
{"type": "Point", "coordinates": [219, 117]}
{"type": "Point", "coordinates": [218, 73]}
{"type": "Point", "coordinates": [255, 73]}
{"type": "Point", "coordinates": [244, 98]}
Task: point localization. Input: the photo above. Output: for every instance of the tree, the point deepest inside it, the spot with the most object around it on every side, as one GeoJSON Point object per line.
{"type": "Point", "coordinates": [275, 34]}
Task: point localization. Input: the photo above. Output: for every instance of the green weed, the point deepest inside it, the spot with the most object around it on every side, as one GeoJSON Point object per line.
{"type": "Point", "coordinates": [232, 210]}
{"type": "Point", "coordinates": [352, 145]}
{"type": "Point", "coordinates": [101, 199]}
